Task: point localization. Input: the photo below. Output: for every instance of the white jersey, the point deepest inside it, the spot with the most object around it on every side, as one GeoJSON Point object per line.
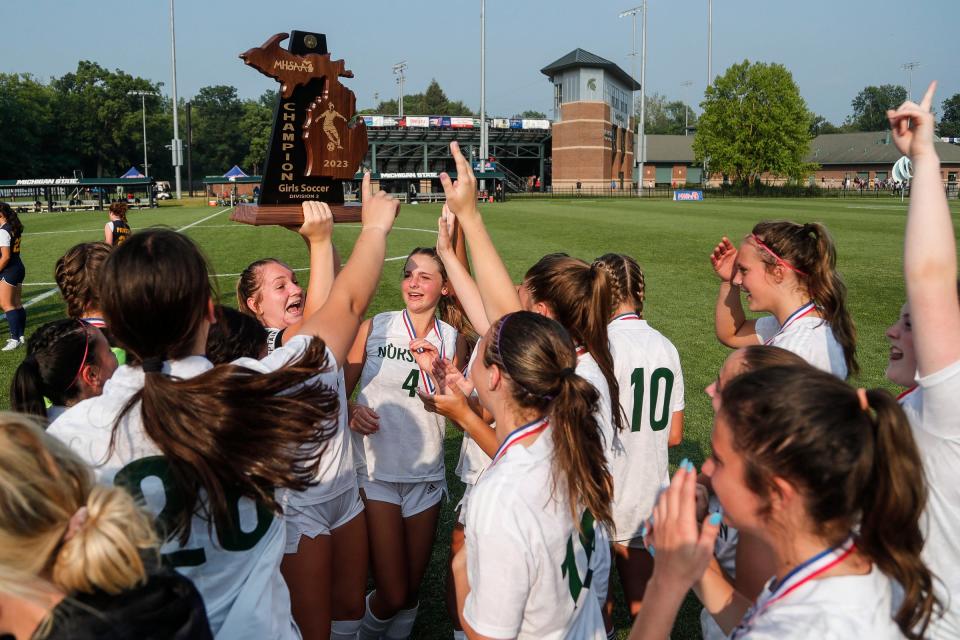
{"type": "Point", "coordinates": [336, 474]}
{"type": "Point", "coordinates": [409, 445]}
{"type": "Point", "coordinates": [808, 336]}
{"type": "Point", "coordinates": [243, 592]}
{"type": "Point", "coordinates": [647, 367]}
{"type": "Point", "coordinates": [589, 370]}
{"type": "Point", "coordinates": [932, 409]}
{"type": "Point", "coordinates": [531, 574]}
{"type": "Point", "coordinates": [834, 608]}
{"type": "Point", "coordinates": [472, 460]}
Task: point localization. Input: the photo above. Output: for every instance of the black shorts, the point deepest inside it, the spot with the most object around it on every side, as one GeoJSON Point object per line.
{"type": "Point", "coordinates": [14, 274]}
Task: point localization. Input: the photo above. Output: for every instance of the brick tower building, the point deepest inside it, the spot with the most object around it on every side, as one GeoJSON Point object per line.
{"type": "Point", "coordinates": [593, 127]}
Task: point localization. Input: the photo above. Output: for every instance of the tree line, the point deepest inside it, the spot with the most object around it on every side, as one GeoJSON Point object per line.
{"type": "Point", "coordinates": [87, 121]}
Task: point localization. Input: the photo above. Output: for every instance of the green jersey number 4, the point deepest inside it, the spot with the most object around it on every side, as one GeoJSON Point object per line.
{"type": "Point", "coordinates": [660, 384]}
{"type": "Point", "coordinates": [412, 382]}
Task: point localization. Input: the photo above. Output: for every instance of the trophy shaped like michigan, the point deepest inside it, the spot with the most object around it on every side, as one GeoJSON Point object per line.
{"type": "Point", "coordinates": [318, 142]}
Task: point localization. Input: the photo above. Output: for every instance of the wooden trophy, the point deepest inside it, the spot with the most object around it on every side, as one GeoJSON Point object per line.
{"type": "Point", "coordinates": [318, 141]}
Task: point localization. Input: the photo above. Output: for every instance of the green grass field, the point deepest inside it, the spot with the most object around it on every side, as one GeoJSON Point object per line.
{"type": "Point", "coordinates": [671, 241]}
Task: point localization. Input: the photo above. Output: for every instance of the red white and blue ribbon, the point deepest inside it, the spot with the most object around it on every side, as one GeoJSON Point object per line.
{"type": "Point", "coordinates": [581, 351]}
{"type": "Point", "coordinates": [527, 430]}
{"type": "Point", "coordinates": [799, 576]}
{"type": "Point", "coordinates": [428, 386]}
{"type": "Point", "coordinates": [627, 316]}
{"type": "Point", "coordinates": [803, 311]}
{"type": "Point", "coordinates": [95, 322]}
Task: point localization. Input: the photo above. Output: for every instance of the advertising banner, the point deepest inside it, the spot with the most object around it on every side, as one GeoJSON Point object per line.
{"type": "Point", "coordinates": [461, 123]}
{"type": "Point", "coordinates": [418, 121]}
{"type": "Point", "coordinates": [687, 195]}
{"type": "Point", "coordinates": [536, 124]}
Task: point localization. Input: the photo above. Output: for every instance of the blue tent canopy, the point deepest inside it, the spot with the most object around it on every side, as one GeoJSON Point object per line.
{"type": "Point", "coordinates": [235, 172]}
{"type": "Point", "coordinates": [132, 173]}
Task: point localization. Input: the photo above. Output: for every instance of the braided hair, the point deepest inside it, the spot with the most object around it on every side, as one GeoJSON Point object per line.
{"type": "Point", "coordinates": [56, 352]}
{"type": "Point", "coordinates": [626, 278]}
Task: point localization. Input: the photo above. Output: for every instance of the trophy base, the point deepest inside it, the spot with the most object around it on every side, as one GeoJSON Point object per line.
{"type": "Point", "coordinates": [288, 215]}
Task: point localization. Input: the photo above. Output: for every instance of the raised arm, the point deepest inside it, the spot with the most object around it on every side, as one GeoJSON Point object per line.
{"type": "Point", "coordinates": [317, 231]}
{"type": "Point", "coordinates": [493, 280]}
{"type": "Point", "coordinates": [930, 251]}
{"type": "Point", "coordinates": [339, 319]}
{"type": "Point", "coordinates": [732, 327]}
{"type": "Point", "coordinates": [463, 284]}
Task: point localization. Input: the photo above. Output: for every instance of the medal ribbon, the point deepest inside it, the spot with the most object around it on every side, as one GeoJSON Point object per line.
{"type": "Point", "coordinates": [428, 386]}
{"type": "Point", "coordinates": [906, 393]}
{"type": "Point", "coordinates": [805, 310]}
{"type": "Point", "coordinates": [800, 575]}
{"type": "Point", "coordinates": [527, 430]}
{"type": "Point", "coordinates": [627, 316]}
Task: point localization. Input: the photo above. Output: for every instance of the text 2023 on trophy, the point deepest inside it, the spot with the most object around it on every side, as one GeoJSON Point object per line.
{"type": "Point", "coordinates": [318, 142]}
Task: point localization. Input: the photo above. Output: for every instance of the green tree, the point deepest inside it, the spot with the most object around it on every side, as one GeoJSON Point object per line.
{"type": "Point", "coordinates": [27, 125]}
{"type": "Point", "coordinates": [870, 107]}
{"type": "Point", "coordinates": [432, 102]}
{"type": "Point", "coordinates": [950, 122]}
{"type": "Point", "coordinates": [820, 126]}
{"type": "Point", "coordinates": [754, 122]}
{"type": "Point", "coordinates": [256, 125]}
{"type": "Point", "coordinates": [530, 114]}
{"type": "Point", "coordinates": [217, 140]}
{"type": "Point", "coordinates": [663, 116]}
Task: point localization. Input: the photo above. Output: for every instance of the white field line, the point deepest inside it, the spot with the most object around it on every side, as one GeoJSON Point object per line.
{"type": "Point", "coordinates": [46, 294]}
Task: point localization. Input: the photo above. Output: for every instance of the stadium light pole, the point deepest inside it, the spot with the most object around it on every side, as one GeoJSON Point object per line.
{"type": "Point", "coordinates": [686, 84]}
{"type": "Point", "coordinates": [638, 138]}
{"type": "Point", "coordinates": [143, 105]}
{"type": "Point", "coordinates": [909, 67]}
{"type": "Point", "coordinates": [398, 69]}
{"type": "Point", "coordinates": [484, 151]}
{"type": "Point", "coordinates": [709, 42]}
{"type": "Point", "coordinates": [176, 149]}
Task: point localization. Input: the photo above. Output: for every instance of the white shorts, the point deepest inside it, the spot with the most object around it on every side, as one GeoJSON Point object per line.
{"type": "Point", "coordinates": [461, 507]}
{"type": "Point", "coordinates": [413, 497]}
{"type": "Point", "coordinates": [320, 519]}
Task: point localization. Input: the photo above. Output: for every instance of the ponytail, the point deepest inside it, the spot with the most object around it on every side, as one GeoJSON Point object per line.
{"type": "Point", "coordinates": [537, 355]}
{"type": "Point", "coordinates": [230, 428]}
{"type": "Point", "coordinates": [13, 218]}
{"type": "Point", "coordinates": [119, 209]}
{"type": "Point", "coordinates": [260, 432]}
{"type": "Point", "coordinates": [892, 507]}
{"type": "Point", "coordinates": [810, 251]}
{"type": "Point", "coordinates": [580, 298]}
{"type": "Point", "coordinates": [56, 352]}
{"type": "Point", "coordinates": [851, 456]}
{"type": "Point", "coordinates": [57, 525]}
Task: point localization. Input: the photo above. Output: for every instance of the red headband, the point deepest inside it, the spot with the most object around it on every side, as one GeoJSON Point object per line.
{"type": "Point", "coordinates": [775, 256]}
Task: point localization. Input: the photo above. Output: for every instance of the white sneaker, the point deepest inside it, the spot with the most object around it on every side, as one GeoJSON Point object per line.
{"type": "Point", "coordinates": [12, 344]}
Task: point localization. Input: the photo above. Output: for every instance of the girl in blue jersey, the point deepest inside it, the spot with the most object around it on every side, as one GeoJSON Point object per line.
{"type": "Point", "coordinates": [12, 274]}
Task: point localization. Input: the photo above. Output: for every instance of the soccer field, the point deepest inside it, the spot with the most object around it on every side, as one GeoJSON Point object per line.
{"type": "Point", "coordinates": [671, 241]}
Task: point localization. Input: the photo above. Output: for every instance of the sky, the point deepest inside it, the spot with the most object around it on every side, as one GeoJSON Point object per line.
{"type": "Point", "coordinates": [833, 48]}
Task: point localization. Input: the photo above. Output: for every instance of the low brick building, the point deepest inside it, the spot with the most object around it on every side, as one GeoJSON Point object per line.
{"type": "Point", "coordinates": [592, 137]}
{"type": "Point", "coordinates": [866, 155]}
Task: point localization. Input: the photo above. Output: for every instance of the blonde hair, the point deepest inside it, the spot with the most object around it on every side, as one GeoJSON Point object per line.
{"type": "Point", "coordinates": [42, 485]}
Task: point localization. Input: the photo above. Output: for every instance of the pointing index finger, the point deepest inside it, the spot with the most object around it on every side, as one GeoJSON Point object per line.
{"type": "Point", "coordinates": [928, 96]}
{"type": "Point", "coordinates": [463, 167]}
{"type": "Point", "coordinates": [365, 187]}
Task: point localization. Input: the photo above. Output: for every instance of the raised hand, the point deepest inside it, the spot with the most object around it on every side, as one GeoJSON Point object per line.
{"type": "Point", "coordinates": [462, 192]}
{"type": "Point", "coordinates": [317, 221]}
{"type": "Point", "coordinates": [379, 209]}
{"type": "Point", "coordinates": [683, 548]}
{"type": "Point", "coordinates": [724, 259]}
{"type": "Point", "coordinates": [449, 401]}
{"type": "Point", "coordinates": [912, 125]}
{"type": "Point", "coordinates": [424, 353]}
{"type": "Point", "coordinates": [363, 420]}
{"type": "Point", "coordinates": [446, 226]}
{"type": "Point", "coordinates": [448, 375]}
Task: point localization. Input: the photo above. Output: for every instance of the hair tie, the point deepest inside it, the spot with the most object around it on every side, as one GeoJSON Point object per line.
{"type": "Point", "coordinates": [566, 372]}
{"type": "Point", "coordinates": [77, 520]}
{"type": "Point", "coordinates": [862, 395]}
{"type": "Point", "coordinates": [153, 364]}
{"type": "Point", "coordinates": [83, 360]}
